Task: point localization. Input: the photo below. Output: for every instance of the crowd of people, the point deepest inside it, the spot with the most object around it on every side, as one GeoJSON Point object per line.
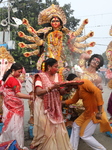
{"type": "Point", "coordinates": [47, 88]}
{"type": "Point", "coordinates": [49, 128]}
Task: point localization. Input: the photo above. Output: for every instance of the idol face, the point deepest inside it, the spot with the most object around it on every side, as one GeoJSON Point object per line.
{"type": "Point", "coordinates": [55, 22]}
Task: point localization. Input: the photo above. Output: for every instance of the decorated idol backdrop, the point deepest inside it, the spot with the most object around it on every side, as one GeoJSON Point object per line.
{"type": "Point", "coordinates": [6, 60]}
{"type": "Point", "coordinates": [109, 57]}
{"type": "Point", "coordinates": [54, 40]}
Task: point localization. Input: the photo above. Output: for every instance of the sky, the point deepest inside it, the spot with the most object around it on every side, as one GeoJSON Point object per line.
{"type": "Point", "coordinates": [99, 14]}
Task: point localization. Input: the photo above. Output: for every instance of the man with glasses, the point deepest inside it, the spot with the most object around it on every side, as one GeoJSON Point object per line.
{"type": "Point", "coordinates": [90, 66]}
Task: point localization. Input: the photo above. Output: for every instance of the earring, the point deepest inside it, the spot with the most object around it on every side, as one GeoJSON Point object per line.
{"type": "Point", "coordinates": [43, 66]}
{"type": "Point", "coordinates": [12, 73]}
{"type": "Point", "coordinates": [49, 69]}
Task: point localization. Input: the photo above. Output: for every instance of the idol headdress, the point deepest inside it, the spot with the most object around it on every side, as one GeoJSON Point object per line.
{"type": "Point", "coordinates": [46, 15]}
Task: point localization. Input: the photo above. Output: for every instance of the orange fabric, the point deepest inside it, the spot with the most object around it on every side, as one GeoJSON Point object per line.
{"type": "Point", "coordinates": [92, 98]}
{"type": "Point", "coordinates": [104, 123]}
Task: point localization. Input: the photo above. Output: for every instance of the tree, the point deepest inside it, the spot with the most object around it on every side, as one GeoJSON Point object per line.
{"type": "Point", "coordinates": [30, 9]}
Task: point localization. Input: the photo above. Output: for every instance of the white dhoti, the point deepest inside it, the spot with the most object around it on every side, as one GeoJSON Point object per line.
{"type": "Point", "coordinates": [87, 137]}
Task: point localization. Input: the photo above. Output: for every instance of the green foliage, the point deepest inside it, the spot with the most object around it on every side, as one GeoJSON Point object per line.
{"type": "Point", "coordinates": [30, 10]}
{"type": "Point", "coordinates": [71, 21]}
{"type": "Point", "coordinates": [28, 63]}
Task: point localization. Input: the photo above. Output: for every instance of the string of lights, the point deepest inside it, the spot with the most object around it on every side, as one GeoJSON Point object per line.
{"type": "Point", "coordinates": [101, 37]}
{"type": "Point", "coordinates": [99, 26]}
{"type": "Point", "coordinates": [101, 44]}
{"type": "Point", "coordinates": [95, 15]}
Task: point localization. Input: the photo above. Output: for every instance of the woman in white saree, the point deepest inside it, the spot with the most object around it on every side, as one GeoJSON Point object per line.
{"type": "Point", "coordinates": [49, 129]}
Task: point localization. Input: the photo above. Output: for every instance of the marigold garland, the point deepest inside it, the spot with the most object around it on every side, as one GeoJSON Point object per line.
{"type": "Point", "coordinates": [61, 73]}
{"type": "Point", "coordinates": [55, 38]}
{"type": "Point", "coordinates": [43, 66]}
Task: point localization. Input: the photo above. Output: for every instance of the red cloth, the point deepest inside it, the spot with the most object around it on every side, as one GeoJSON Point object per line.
{"type": "Point", "coordinates": [10, 145]}
{"type": "Point", "coordinates": [0, 82]}
{"type": "Point", "coordinates": [13, 83]}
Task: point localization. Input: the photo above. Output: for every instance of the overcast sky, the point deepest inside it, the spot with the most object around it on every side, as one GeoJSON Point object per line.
{"type": "Point", "coordinates": [99, 13]}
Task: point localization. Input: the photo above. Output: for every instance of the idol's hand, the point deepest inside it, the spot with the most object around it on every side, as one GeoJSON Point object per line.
{"type": "Point", "coordinates": [27, 54]}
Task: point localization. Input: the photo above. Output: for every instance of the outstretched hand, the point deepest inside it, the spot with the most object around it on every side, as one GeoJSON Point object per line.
{"type": "Point", "coordinates": [56, 86]}
{"type": "Point", "coordinates": [63, 102]}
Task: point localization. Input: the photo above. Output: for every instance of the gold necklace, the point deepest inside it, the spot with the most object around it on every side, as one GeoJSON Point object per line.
{"type": "Point", "coordinates": [55, 38]}
{"type": "Point", "coordinates": [90, 76]}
